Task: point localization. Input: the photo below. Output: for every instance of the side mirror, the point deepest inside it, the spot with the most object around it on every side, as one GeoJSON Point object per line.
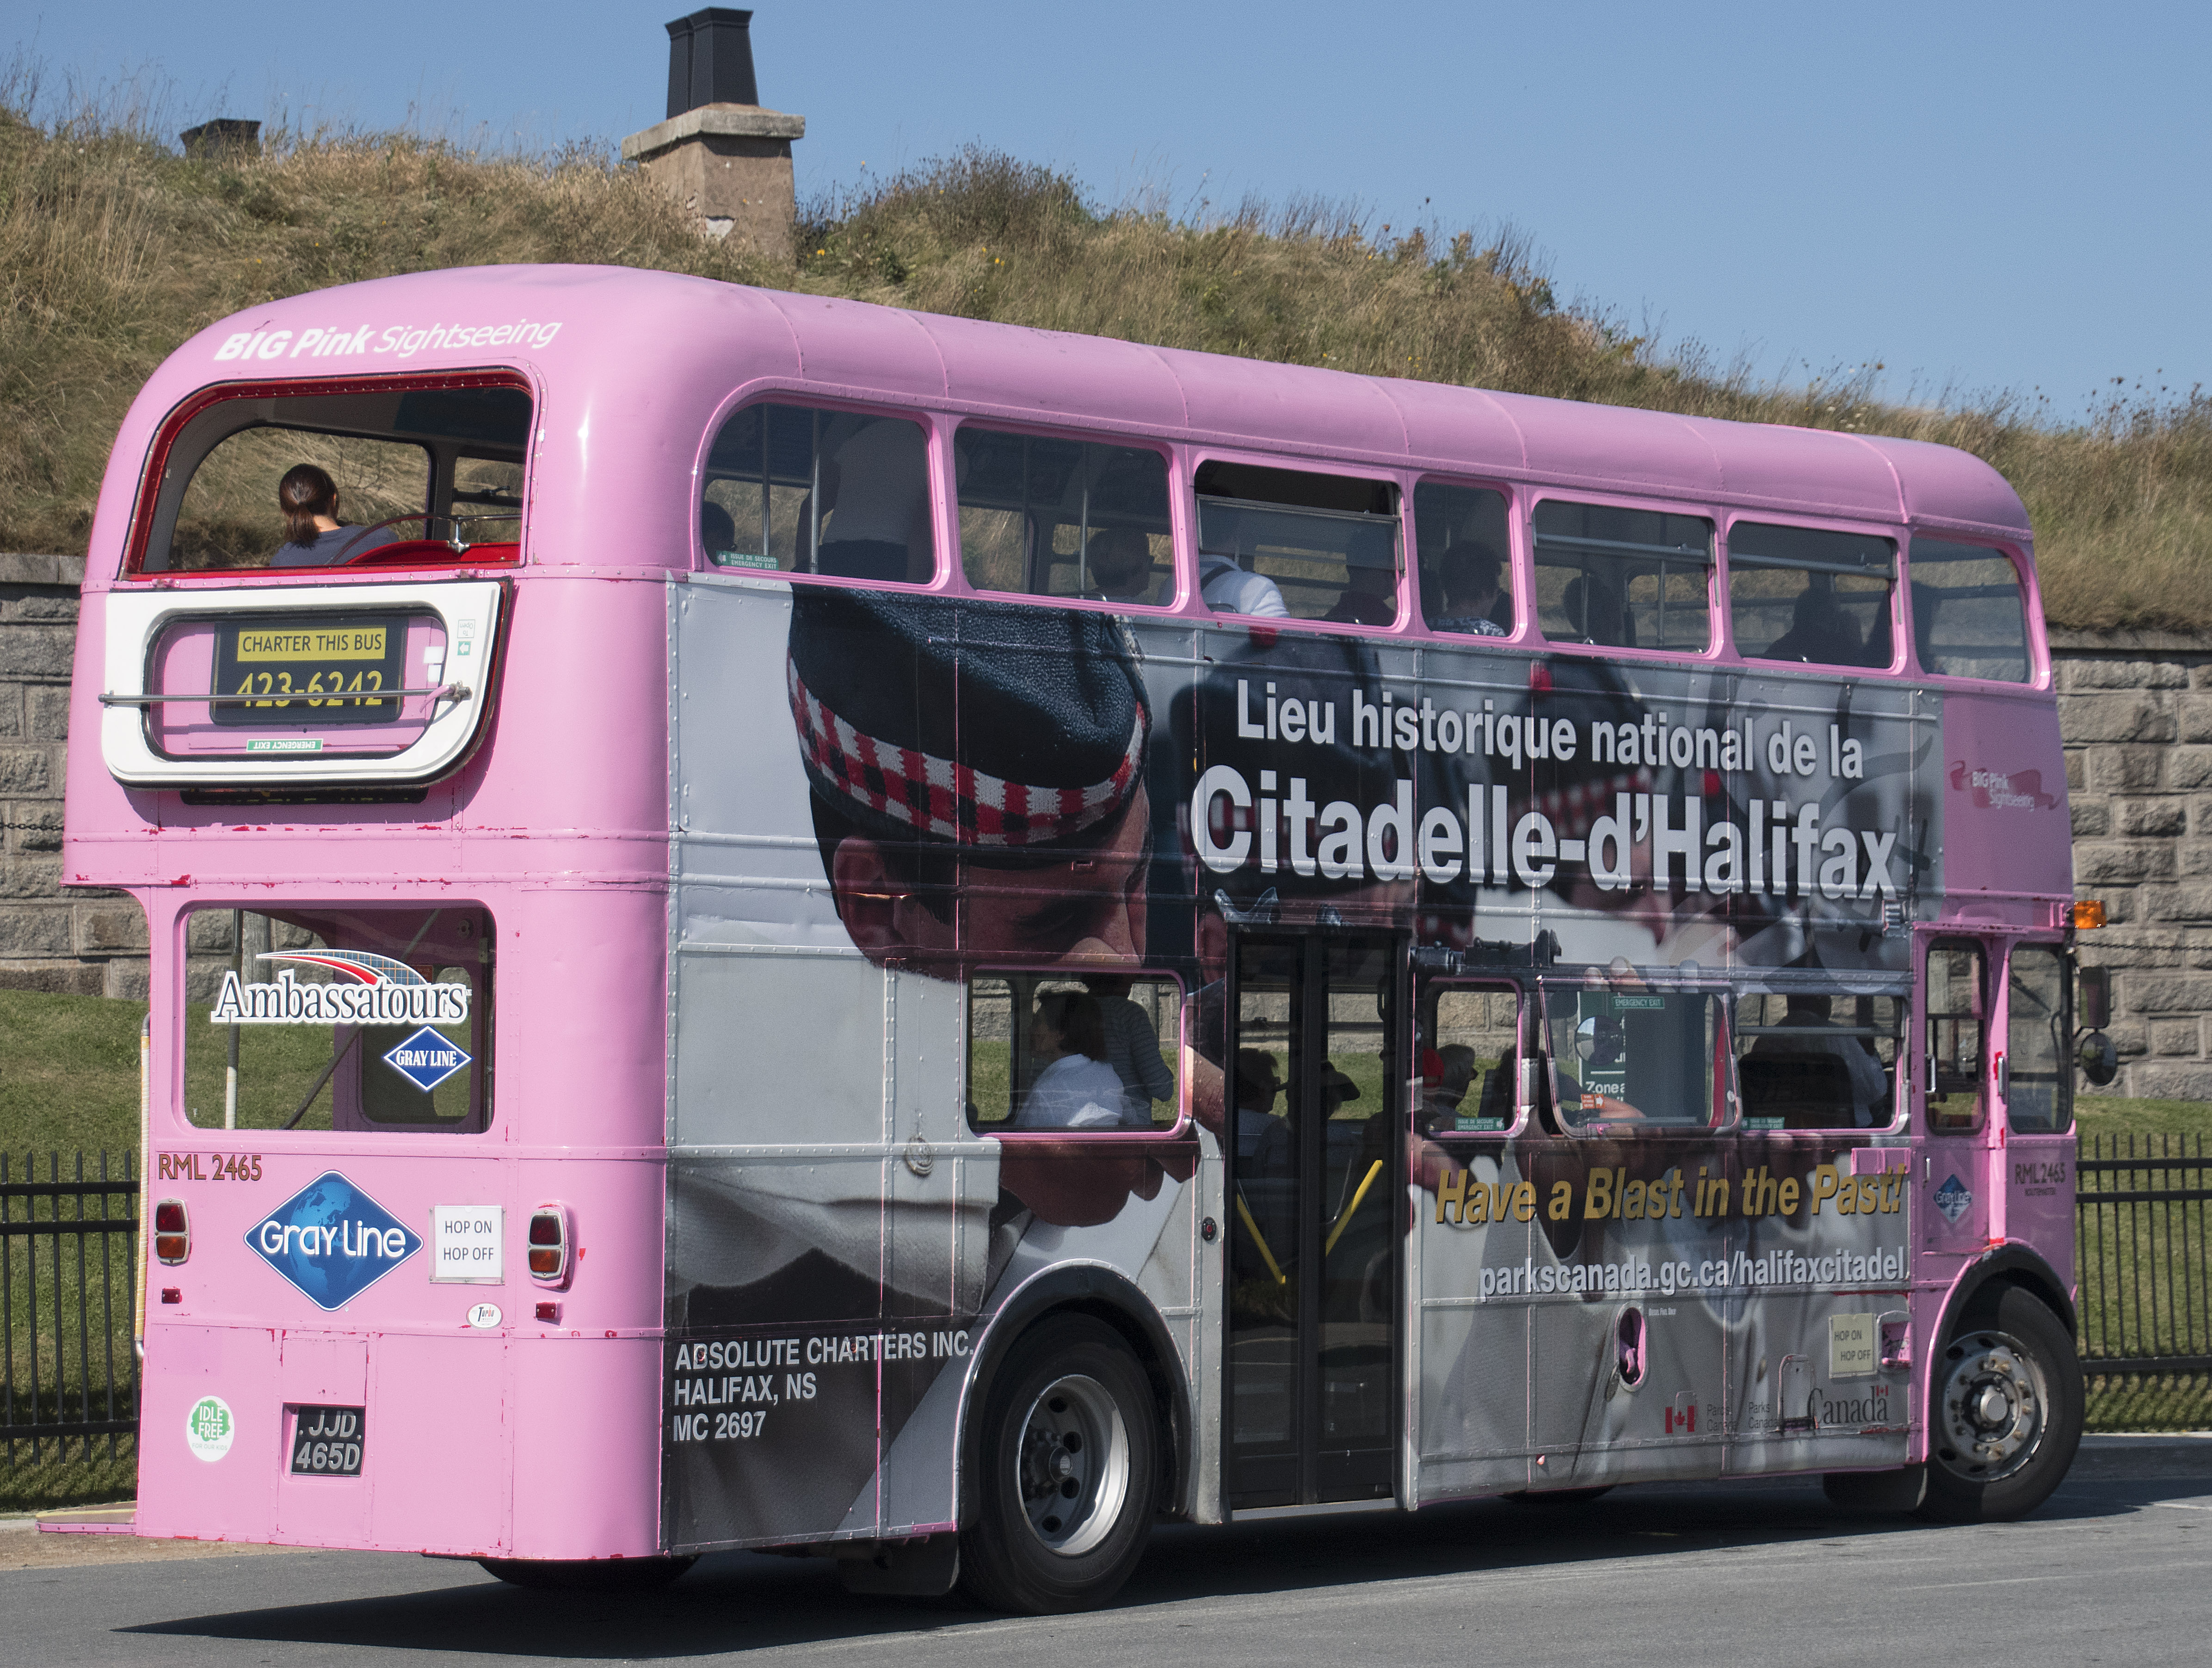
{"type": "Point", "coordinates": [2099, 1060]}
{"type": "Point", "coordinates": [2095, 993]}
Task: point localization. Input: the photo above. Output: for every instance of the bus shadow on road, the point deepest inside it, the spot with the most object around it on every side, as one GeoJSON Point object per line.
{"type": "Point", "coordinates": [733, 1602]}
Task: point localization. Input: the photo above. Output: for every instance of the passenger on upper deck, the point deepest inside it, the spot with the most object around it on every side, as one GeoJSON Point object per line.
{"type": "Point", "coordinates": [1120, 560]}
{"type": "Point", "coordinates": [1472, 599]}
{"type": "Point", "coordinates": [1223, 581]}
{"type": "Point", "coordinates": [1596, 607]}
{"type": "Point", "coordinates": [1820, 631]}
{"type": "Point", "coordinates": [876, 521]}
{"type": "Point", "coordinates": [314, 535]}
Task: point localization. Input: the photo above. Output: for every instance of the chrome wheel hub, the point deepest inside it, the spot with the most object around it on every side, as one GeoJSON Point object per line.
{"type": "Point", "coordinates": [1075, 1469]}
{"type": "Point", "coordinates": [1991, 1407]}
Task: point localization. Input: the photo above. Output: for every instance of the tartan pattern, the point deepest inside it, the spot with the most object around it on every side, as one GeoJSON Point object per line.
{"type": "Point", "coordinates": [944, 800]}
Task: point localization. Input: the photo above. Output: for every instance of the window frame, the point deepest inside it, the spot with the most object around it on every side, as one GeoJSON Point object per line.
{"type": "Point", "coordinates": [1528, 1010]}
{"type": "Point", "coordinates": [1900, 650]}
{"type": "Point", "coordinates": [1924, 1042]}
{"type": "Point", "coordinates": [1177, 1130]}
{"type": "Point", "coordinates": [1518, 571]}
{"type": "Point", "coordinates": [1182, 529]}
{"type": "Point", "coordinates": [153, 477]}
{"type": "Point", "coordinates": [1195, 457]}
{"type": "Point", "coordinates": [1727, 1111]}
{"type": "Point", "coordinates": [2035, 644]}
{"type": "Point", "coordinates": [944, 518]}
{"type": "Point", "coordinates": [2058, 950]}
{"type": "Point", "coordinates": [1718, 646]}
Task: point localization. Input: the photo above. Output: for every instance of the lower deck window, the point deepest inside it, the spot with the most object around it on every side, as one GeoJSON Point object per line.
{"type": "Point", "coordinates": [1816, 1060]}
{"type": "Point", "coordinates": [341, 1018]}
{"type": "Point", "coordinates": [1631, 1059]}
{"type": "Point", "coordinates": [1088, 1053]}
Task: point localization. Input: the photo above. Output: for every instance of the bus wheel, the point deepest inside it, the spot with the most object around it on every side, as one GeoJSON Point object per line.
{"type": "Point", "coordinates": [1070, 1468]}
{"type": "Point", "coordinates": [2007, 1417]}
{"type": "Point", "coordinates": [588, 1575]}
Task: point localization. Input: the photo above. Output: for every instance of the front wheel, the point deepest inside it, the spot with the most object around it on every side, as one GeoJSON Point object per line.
{"type": "Point", "coordinates": [2007, 1413]}
{"type": "Point", "coordinates": [1070, 1472]}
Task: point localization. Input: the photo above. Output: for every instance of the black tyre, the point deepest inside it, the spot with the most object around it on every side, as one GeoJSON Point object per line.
{"type": "Point", "coordinates": [588, 1575]}
{"type": "Point", "coordinates": [2006, 1415]}
{"type": "Point", "coordinates": [1874, 1493]}
{"type": "Point", "coordinates": [1069, 1474]}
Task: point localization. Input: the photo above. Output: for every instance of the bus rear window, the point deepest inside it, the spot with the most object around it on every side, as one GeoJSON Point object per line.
{"type": "Point", "coordinates": [343, 1018]}
{"type": "Point", "coordinates": [377, 478]}
{"type": "Point", "coordinates": [1968, 617]}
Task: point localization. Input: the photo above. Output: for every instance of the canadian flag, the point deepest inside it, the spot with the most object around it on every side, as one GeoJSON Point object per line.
{"type": "Point", "coordinates": [1682, 1418]}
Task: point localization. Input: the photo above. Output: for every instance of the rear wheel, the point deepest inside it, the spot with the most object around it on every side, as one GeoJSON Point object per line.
{"type": "Point", "coordinates": [1070, 1472]}
{"type": "Point", "coordinates": [588, 1575]}
{"type": "Point", "coordinates": [2007, 1413]}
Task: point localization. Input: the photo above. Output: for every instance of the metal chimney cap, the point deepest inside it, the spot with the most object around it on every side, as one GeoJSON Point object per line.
{"type": "Point", "coordinates": [710, 60]}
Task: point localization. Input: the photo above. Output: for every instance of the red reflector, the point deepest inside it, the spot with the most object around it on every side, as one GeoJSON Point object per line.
{"type": "Point", "coordinates": [172, 1294]}
{"type": "Point", "coordinates": [549, 1312]}
{"type": "Point", "coordinates": [545, 1229]}
{"type": "Point", "coordinates": [169, 1216]}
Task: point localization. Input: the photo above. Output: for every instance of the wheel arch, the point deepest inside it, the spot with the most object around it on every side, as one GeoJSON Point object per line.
{"type": "Point", "coordinates": [2011, 1263]}
{"type": "Point", "coordinates": [1106, 1294]}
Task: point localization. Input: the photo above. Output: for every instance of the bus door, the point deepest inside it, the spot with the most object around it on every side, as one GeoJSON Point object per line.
{"type": "Point", "coordinates": [1316, 1072]}
{"type": "Point", "coordinates": [1958, 992]}
{"type": "Point", "coordinates": [2032, 1198]}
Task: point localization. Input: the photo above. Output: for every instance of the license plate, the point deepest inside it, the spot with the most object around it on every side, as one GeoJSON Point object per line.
{"type": "Point", "coordinates": [317, 670]}
{"type": "Point", "coordinates": [326, 1441]}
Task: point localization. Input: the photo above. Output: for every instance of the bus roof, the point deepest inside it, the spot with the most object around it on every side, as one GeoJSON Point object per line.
{"type": "Point", "coordinates": [690, 342]}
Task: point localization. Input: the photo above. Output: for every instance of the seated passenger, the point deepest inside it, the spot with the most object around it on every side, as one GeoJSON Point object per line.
{"type": "Point", "coordinates": [1119, 562]}
{"type": "Point", "coordinates": [1077, 1090]}
{"type": "Point", "coordinates": [1472, 601]}
{"type": "Point", "coordinates": [1133, 1047]}
{"type": "Point", "coordinates": [1820, 631]}
{"type": "Point", "coordinates": [1223, 581]}
{"type": "Point", "coordinates": [1446, 1093]}
{"type": "Point", "coordinates": [1369, 598]}
{"type": "Point", "coordinates": [1804, 1013]}
{"type": "Point", "coordinates": [876, 522]}
{"type": "Point", "coordinates": [1599, 613]}
{"type": "Point", "coordinates": [314, 537]}
{"type": "Point", "coordinates": [1257, 1090]}
{"type": "Point", "coordinates": [717, 533]}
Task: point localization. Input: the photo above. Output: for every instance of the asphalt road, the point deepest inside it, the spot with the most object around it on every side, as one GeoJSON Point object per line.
{"type": "Point", "coordinates": [2112, 1571]}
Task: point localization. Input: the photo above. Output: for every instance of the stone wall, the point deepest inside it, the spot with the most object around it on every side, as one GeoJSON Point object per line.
{"type": "Point", "coordinates": [2136, 710]}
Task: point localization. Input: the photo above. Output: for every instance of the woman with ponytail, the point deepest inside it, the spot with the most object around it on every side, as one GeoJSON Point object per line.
{"type": "Point", "coordinates": [314, 535]}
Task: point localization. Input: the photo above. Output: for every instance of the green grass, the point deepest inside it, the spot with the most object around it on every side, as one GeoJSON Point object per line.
{"type": "Point", "coordinates": [80, 1472]}
{"type": "Point", "coordinates": [2109, 1115]}
{"type": "Point", "coordinates": [69, 1073]}
{"type": "Point", "coordinates": [2181, 1401]}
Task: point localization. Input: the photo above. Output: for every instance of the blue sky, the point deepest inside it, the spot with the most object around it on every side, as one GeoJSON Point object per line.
{"type": "Point", "coordinates": [1980, 198]}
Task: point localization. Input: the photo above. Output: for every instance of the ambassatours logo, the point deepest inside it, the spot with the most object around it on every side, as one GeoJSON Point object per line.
{"type": "Point", "coordinates": [381, 991]}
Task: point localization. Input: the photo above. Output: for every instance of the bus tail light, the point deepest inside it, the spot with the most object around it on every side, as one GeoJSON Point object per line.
{"type": "Point", "coordinates": [172, 1231]}
{"type": "Point", "coordinates": [552, 1240]}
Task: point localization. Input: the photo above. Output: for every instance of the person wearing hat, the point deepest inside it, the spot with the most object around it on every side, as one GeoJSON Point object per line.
{"type": "Point", "coordinates": [987, 757]}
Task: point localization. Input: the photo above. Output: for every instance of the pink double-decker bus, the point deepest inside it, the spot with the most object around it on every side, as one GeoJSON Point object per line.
{"type": "Point", "coordinates": [781, 924]}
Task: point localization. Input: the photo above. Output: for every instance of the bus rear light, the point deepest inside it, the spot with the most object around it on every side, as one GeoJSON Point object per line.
{"type": "Point", "coordinates": [172, 1233]}
{"type": "Point", "coordinates": [551, 1240]}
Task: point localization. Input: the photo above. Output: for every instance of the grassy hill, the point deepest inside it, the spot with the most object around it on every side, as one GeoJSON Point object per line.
{"type": "Point", "coordinates": [112, 249]}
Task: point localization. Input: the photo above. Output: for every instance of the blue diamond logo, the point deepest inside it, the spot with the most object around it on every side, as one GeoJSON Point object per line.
{"type": "Point", "coordinates": [427, 1059]}
{"type": "Point", "coordinates": [1953, 1199]}
{"type": "Point", "coordinates": [332, 1241]}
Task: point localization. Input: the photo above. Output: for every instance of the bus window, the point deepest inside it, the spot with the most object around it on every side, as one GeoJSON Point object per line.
{"type": "Point", "coordinates": [1629, 1059]}
{"type": "Point", "coordinates": [1090, 1052]}
{"type": "Point", "coordinates": [2039, 1064]}
{"type": "Point", "coordinates": [343, 1018]}
{"type": "Point", "coordinates": [403, 476]}
{"type": "Point", "coordinates": [1968, 617]}
{"type": "Point", "coordinates": [1463, 560]}
{"type": "Point", "coordinates": [1813, 1060]}
{"type": "Point", "coordinates": [1623, 579]}
{"type": "Point", "coordinates": [1055, 517]}
{"type": "Point", "coordinates": [794, 489]}
{"type": "Point", "coordinates": [1797, 593]}
{"type": "Point", "coordinates": [1957, 1020]}
{"type": "Point", "coordinates": [1468, 1034]}
{"type": "Point", "coordinates": [1285, 543]}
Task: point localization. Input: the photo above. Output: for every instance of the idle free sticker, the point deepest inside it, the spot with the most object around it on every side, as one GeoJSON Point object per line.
{"type": "Point", "coordinates": [209, 1428]}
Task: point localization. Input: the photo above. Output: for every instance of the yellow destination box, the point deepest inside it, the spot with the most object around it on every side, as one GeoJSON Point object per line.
{"type": "Point", "coordinates": [347, 643]}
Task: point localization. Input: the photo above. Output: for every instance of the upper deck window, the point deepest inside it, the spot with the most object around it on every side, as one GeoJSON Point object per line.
{"type": "Point", "coordinates": [1055, 517]}
{"type": "Point", "coordinates": [1287, 544]}
{"type": "Point", "coordinates": [1464, 559]}
{"type": "Point", "coordinates": [841, 494]}
{"type": "Point", "coordinates": [1623, 579]}
{"type": "Point", "coordinates": [376, 477]}
{"type": "Point", "coordinates": [1797, 593]}
{"type": "Point", "coordinates": [1969, 619]}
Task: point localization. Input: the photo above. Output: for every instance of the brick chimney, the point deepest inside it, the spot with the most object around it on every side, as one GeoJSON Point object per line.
{"type": "Point", "coordinates": [719, 154]}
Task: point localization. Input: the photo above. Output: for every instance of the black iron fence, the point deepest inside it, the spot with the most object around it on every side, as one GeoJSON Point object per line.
{"type": "Point", "coordinates": [2146, 1299]}
{"type": "Point", "coordinates": [69, 1291]}
{"type": "Point", "coordinates": [68, 1282]}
